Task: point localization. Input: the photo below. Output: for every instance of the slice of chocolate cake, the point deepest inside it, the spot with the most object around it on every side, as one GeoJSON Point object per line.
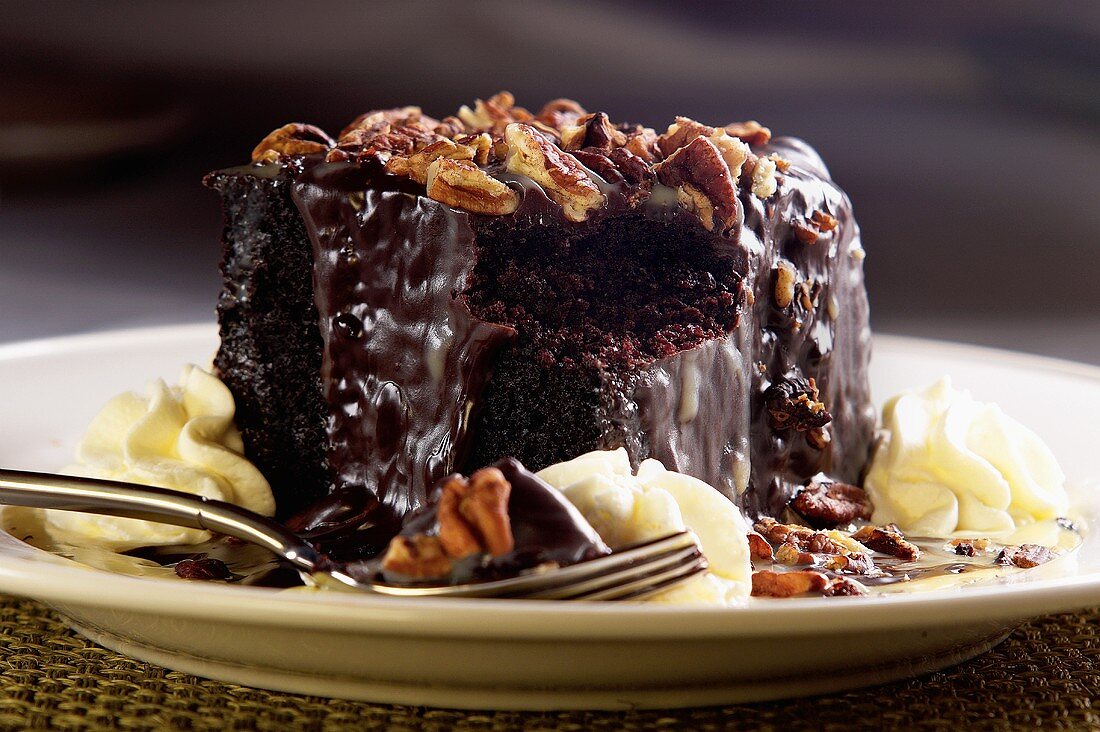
{"type": "Point", "coordinates": [419, 297]}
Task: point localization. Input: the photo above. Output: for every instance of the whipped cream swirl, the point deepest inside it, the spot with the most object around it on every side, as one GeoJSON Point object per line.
{"type": "Point", "coordinates": [626, 508]}
{"type": "Point", "coordinates": [180, 437]}
{"type": "Point", "coordinates": [950, 464]}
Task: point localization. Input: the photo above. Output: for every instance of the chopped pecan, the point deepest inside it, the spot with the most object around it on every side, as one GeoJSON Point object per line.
{"type": "Point", "coordinates": [418, 557]}
{"type": "Point", "coordinates": [592, 131]}
{"type": "Point", "coordinates": [493, 114]}
{"type": "Point", "coordinates": [559, 113]}
{"type": "Point", "coordinates": [530, 153]}
{"type": "Point", "coordinates": [698, 170]}
{"type": "Point", "coordinates": [781, 163]}
{"type": "Point", "coordinates": [844, 587]}
{"type": "Point", "coordinates": [762, 172]}
{"type": "Point", "coordinates": [819, 437]}
{"type": "Point", "coordinates": [599, 164]}
{"type": "Point", "coordinates": [790, 555]}
{"type": "Point", "coordinates": [463, 185]}
{"type": "Point", "coordinates": [465, 147]}
{"type": "Point", "coordinates": [759, 548]}
{"type": "Point", "coordinates": [888, 540]}
{"type": "Point", "coordinates": [633, 168]}
{"type": "Point", "coordinates": [819, 222]}
{"type": "Point", "coordinates": [970, 547]}
{"type": "Point", "coordinates": [377, 118]}
{"type": "Point", "coordinates": [379, 138]}
{"type": "Point", "coordinates": [824, 221]}
{"type": "Point", "coordinates": [766, 583]}
{"type": "Point", "coordinates": [825, 504]}
{"type": "Point", "coordinates": [292, 139]}
{"type": "Point", "coordinates": [751, 132]}
{"type": "Point", "coordinates": [643, 143]}
{"type": "Point", "coordinates": [794, 404]}
{"type": "Point", "coordinates": [785, 276]}
{"type": "Point", "coordinates": [804, 232]}
{"type": "Point", "coordinates": [1025, 556]}
{"type": "Point", "coordinates": [450, 127]}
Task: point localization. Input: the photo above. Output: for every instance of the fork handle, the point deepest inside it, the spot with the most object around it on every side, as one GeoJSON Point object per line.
{"type": "Point", "coordinates": [149, 503]}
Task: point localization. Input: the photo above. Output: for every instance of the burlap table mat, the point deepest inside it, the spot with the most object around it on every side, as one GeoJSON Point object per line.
{"type": "Point", "coordinates": [50, 678]}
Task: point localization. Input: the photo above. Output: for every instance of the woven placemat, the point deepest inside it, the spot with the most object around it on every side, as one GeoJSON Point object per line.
{"type": "Point", "coordinates": [1045, 674]}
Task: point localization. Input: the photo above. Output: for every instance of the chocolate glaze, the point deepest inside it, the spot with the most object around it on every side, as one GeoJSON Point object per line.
{"type": "Point", "coordinates": [404, 360]}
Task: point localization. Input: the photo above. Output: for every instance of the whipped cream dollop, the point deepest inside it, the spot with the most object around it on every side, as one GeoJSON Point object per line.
{"type": "Point", "coordinates": [180, 437]}
{"type": "Point", "coordinates": [626, 508]}
{"type": "Point", "coordinates": [950, 464]}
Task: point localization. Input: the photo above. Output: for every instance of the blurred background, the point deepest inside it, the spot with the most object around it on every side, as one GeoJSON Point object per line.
{"type": "Point", "coordinates": [965, 133]}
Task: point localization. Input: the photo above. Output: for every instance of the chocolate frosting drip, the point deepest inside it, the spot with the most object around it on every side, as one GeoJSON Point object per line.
{"type": "Point", "coordinates": [829, 341]}
{"type": "Point", "coordinates": [403, 360]}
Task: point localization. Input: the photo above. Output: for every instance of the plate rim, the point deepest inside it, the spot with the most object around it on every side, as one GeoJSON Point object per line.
{"type": "Point", "coordinates": [23, 571]}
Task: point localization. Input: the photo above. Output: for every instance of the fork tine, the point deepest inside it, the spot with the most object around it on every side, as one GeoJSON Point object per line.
{"type": "Point", "coordinates": [524, 585]}
{"type": "Point", "coordinates": [651, 585]}
{"type": "Point", "coordinates": [639, 571]}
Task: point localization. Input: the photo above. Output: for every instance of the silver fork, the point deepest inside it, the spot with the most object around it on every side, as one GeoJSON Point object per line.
{"type": "Point", "coordinates": [628, 574]}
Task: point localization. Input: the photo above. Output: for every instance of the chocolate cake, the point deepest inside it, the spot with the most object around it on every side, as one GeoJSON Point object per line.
{"type": "Point", "coordinates": [419, 297]}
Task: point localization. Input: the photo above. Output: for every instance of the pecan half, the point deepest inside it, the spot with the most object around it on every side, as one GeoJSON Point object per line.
{"type": "Point", "coordinates": [643, 143]}
{"type": "Point", "coordinates": [465, 186]}
{"type": "Point", "coordinates": [751, 132]}
{"type": "Point", "coordinates": [530, 153]}
{"type": "Point", "coordinates": [560, 112]}
{"type": "Point", "coordinates": [766, 583]}
{"type": "Point", "coordinates": [702, 177]}
{"type": "Point", "coordinates": [759, 548]}
{"type": "Point", "coordinates": [684, 131]}
{"type": "Point", "coordinates": [794, 404]}
{"type": "Point", "coordinates": [419, 557]}
{"type": "Point", "coordinates": [592, 131]}
{"type": "Point", "coordinates": [888, 540]}
{"type": "Point", "coordinates": [415, 166]}
{"type": "Point", "coordinates": [1025, 556]}
{"type": "Point", "coordinates": [292, 139]}
{"type": "Point", "coordinates": [825, 504]}
{"type": "Point", "coordinates": [485, 507]}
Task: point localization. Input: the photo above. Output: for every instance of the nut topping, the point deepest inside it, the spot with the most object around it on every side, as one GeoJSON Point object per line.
{"type": "Point", "coordinates": [1025, 556]}
{"type": "Point", "coordinates": [703, 183]}
{"type": "Point", "coordinates": [785, 276]}
{"type": "Point", "coordinates": [592, 131]}
{"type": "Point", "coordinates": [763, 176]}
{"type": "Point", "coordinates": [419, 557]}
{"type": "Point", "coordinates": [560, 175]}
{"type": "Point", "coordinates": [415, 166]}
{"type": "Point", "coordinates": [826, 505]}
{"type": "Point", "coordinates": [463, 185]}
{"type": "Point", "coordinates": [472, 516]}
{"type": "Point", "coordinates": [751, 132]}
{"type": "Point", "coordinates": [494, 114]}
{"type": "Point", "coordinates": [766, 583]}
{"type": "Point", "coordinates": [793, 403]}
{"type": "Point", "coordinates": [290, 140]}
{"type": "Point", "coordinates": [888, 540]}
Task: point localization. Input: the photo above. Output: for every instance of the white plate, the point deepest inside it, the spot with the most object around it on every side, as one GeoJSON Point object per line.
{"type": "Point", "coordinates": [528, 655]}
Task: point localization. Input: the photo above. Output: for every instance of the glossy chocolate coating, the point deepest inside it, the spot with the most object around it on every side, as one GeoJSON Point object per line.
{"type": "Point", "coordinates": [403, 359]}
